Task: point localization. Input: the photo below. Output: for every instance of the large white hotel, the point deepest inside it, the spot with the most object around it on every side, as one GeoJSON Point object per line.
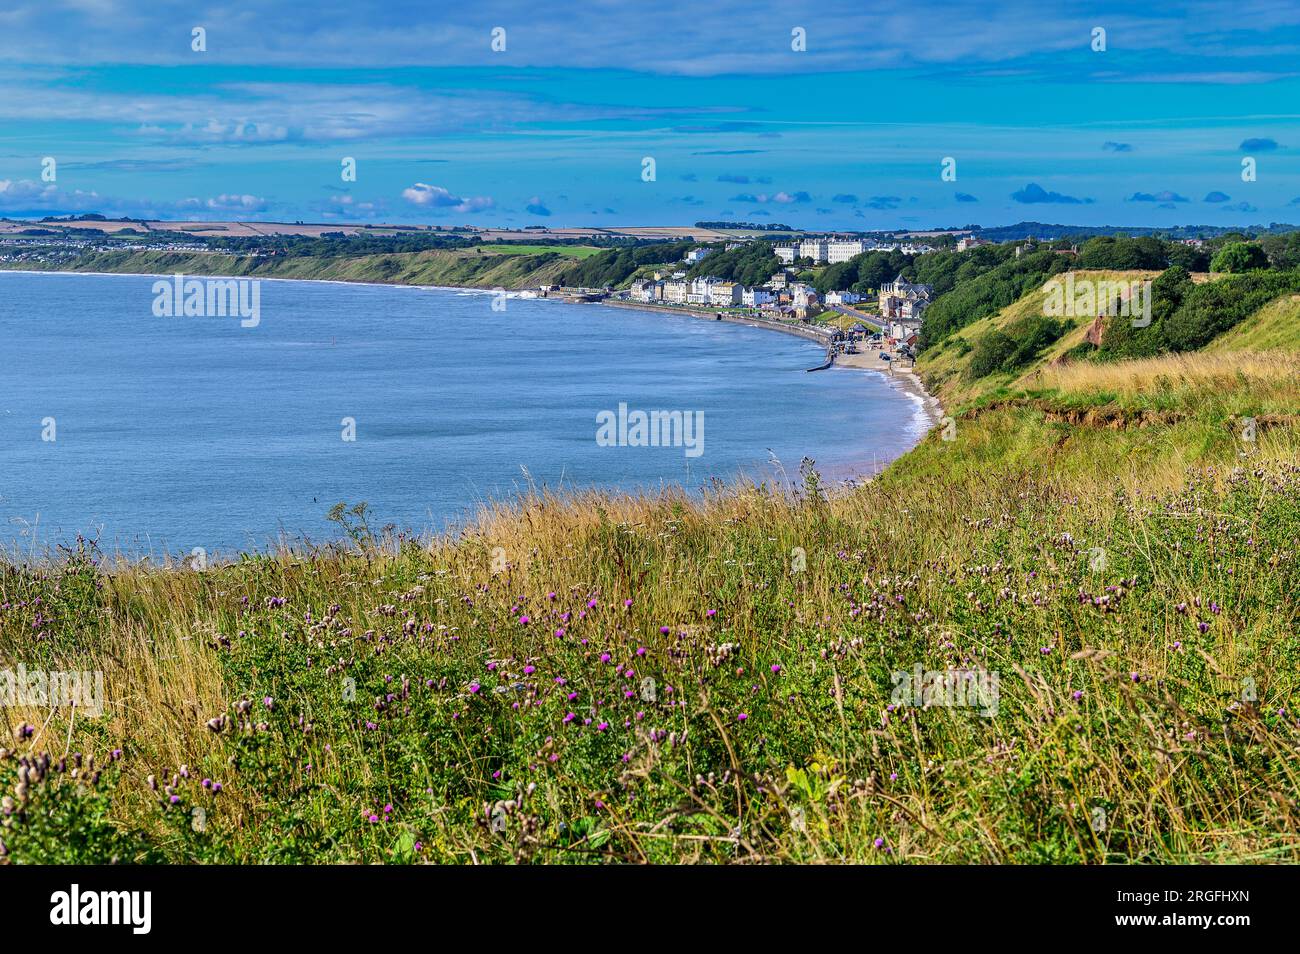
{"type": "Point", "coordinates": [821, 250]}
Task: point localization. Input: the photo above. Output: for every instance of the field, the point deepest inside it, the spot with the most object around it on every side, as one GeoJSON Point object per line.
{"type": "Point", "coordinates": [1109, 551]}
{"type": "Point", "coordinates": [572, 251]}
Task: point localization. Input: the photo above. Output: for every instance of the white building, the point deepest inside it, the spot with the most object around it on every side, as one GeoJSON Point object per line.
{"type": "Point", "coordinates": [787, 253]}
{"type": "Point", "coordinates": [843, 250]}
{"type": "Point", "coordinates": [814, 249]}
{"type": "Point", "coordinates": [904, 329]}
{"type": "Point", "coordinates": [696, 254]}
{"type": "Point", "coordinates": [701, 291]}
{"type": "Point", "coordinates": [842, 298]}
{"type": "Point", "coordinates": [755, 297]}
{"type": "Point", "coordinates": [644, 290]}
{"type": "Point", "coordinates": [970, 241]}
{"type": "Point", "coordinates": [676, 291]}
{"type": "Point", "coordinates": [726, 294]}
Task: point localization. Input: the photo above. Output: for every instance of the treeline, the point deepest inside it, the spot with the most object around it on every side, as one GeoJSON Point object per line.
{"type": "Point", "coordinates": [753, 263]}
{"type": "Point", "coordinates": [863, 273]}
{"type": "Point", "coordinates": [989, 292]}
{"type": "Point", "coordinates": [615, 266]}
{"type": "Point", "coordinates": [338, 244]}
{"type": "Point", "coordinates": [1186, 316]}
{"type": "Point", "coordinates": [973, 285]}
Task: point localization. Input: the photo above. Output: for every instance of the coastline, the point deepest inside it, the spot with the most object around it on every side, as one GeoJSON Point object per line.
{"type": "Point", "coordinates": [905, 380]}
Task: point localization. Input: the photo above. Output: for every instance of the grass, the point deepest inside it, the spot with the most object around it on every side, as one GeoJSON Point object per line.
{"type": "Point", "coordinates": [469, 267]}
{"type": "Point", "coordinates": [572, 251]}
{"type": "Point", "coordinates": [600, 678]}
{"type": "Point", "coordinates": [1276, 327]}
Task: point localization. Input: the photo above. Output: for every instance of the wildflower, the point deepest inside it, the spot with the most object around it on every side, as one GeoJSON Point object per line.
{"type": "Point", "coordinates": [570, 717]}
{"type": "Point", "coordinates": [711, 613]}
{"type": "Point", "coordinates": [559, 633]}
{"type": "Point", "coordinates": [529, 670]}
{"type": "Point", "coordinates": [742, 717]}
{"type": "Point", "coordinates": [1076, 695]}
{"type": "Point", "coordinates": [474, 687]}
{"type": "Point", "coordinates": [776, 668]}
{"type": "Point", "coordinates": [523, 620]}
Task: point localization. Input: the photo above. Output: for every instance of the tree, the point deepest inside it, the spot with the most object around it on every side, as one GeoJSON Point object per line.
{"type": "Point", "coordinates": [1283, 250]}
{"type": "Point", "coordinates": [1238, 258]}
{"type": "Point", "coordinates": [991, 351]}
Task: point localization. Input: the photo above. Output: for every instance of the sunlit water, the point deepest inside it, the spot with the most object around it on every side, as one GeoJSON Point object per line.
{"type": "Point", "coordinates": [176, 433]}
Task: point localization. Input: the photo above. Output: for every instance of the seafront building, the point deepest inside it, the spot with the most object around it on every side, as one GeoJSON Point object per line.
{"type": "Point", "coordinates": [903, 299]}
{"type": "Point", "coordinates": [902, 304]}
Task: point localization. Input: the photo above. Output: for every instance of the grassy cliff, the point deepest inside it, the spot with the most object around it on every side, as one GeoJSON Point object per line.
{"type": "Point", "coordinates": [480, 267]}
{"type": "Point", "coordinates": [602, 678]}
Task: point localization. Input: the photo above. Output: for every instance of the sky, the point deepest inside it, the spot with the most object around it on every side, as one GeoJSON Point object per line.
{"type": "Point", "coordinates": [833, 115]}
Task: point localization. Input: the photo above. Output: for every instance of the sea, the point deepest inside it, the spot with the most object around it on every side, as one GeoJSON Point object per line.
{"type": "Point", "coordinates": [155, 434]}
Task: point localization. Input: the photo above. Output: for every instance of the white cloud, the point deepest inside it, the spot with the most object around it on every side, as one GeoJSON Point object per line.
{"type": "Point", "coordinates": [436, 197]}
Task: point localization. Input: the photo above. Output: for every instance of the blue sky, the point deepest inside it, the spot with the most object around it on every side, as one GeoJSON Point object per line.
{"type": "Point", "coordinates": [848, 133]}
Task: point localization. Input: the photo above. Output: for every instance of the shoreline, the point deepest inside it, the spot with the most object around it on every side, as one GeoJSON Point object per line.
{"type": "Point", "coordinates": [906, 381]}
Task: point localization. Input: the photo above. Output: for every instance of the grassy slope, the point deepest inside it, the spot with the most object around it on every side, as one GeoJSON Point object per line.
{"type": "Point", "coordinates": [467, 267]}
{"type": "Point", "coordinates": [1105, 539]}
{"type": "Point", "coordinates": [1273, 328]}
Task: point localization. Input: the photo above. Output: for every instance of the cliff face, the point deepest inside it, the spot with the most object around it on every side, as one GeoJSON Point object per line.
{"type": "Point", "coordinates": [458, 267]}
{"type": "Point", "coordinates": [1095, 331]}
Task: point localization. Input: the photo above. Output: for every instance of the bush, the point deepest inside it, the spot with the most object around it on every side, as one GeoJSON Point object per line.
{"type": "Point", "coordinates": [1016, 347]}
{"type": "Point", "coordinates": [989, 353]}
{"type": "Point", "coordinates": [1238, 258]}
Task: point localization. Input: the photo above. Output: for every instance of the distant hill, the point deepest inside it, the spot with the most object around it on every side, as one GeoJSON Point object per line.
{"type": "Point", "coordinates": [1044, 230]}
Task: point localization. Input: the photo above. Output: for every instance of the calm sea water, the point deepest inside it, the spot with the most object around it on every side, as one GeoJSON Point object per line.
{"type": "Point", "coordinates": [175, 433]}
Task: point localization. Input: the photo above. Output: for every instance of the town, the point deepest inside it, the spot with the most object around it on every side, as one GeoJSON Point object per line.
{"type": "Point", "coordinates": [891, 317]}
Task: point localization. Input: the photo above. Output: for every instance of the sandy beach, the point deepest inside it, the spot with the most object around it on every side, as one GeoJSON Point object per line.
{"type": "Point", "coordinates": [896, 370]}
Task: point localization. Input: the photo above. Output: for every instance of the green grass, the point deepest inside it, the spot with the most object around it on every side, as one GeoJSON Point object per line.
{"type": "Point", "coordinates": [1276, 327]}
{"type": "Point", "coordinates": [572, 251]}
{"type": "Point", "coordinates": [462, 267]}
